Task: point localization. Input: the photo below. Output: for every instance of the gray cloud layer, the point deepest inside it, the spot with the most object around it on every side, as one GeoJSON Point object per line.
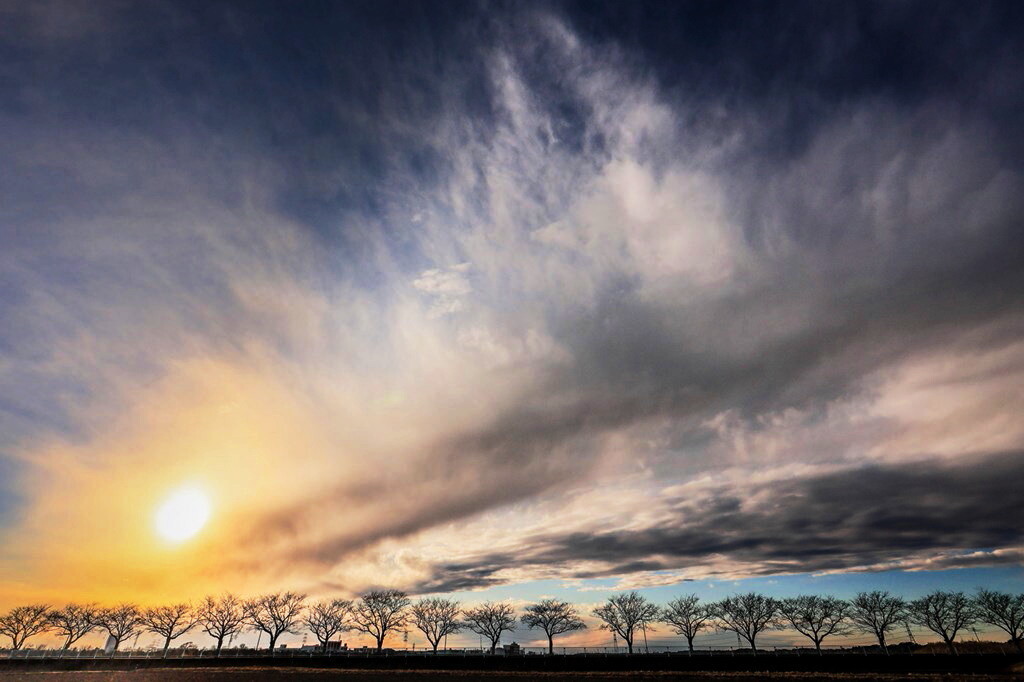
{"type": "Point", "coordinates": [870, 516]}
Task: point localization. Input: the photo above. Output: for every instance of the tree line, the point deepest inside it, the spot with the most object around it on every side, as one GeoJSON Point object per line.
{"type": "Point", "coordinates": [379, 613]}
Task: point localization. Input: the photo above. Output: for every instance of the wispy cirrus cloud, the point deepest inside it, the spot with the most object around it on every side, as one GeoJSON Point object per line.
{"type": "Point", "coordinates": [379, 310]}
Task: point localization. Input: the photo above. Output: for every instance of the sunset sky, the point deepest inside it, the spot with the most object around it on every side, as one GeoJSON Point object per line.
{"type": "Point", "coordinates": [510, 299]}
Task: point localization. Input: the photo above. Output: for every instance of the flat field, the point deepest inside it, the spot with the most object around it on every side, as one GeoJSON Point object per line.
{"type": "Point", "coordinates": [318, 675]}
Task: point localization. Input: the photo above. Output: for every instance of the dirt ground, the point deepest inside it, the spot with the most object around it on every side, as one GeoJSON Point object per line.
{"type": "Point", "coordinates": [285, 675]}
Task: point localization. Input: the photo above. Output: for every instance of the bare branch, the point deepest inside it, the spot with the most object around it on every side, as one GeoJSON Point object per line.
{"type": "Point", "coordinates": [221, 618]}
{"type": "Point", "coordinates": [436, 618]}
{"type": "Point", "coordinates": [490, 620]}
{"type": "Point", "coordinates": [23, 622]}
{"type": "Point", "coordinates": [325, 619]}
{"type": "Point", "coordinates": [687, 616]}
{"type": "Point", "coordinates": [379, 612]}
{"type": "Point", "coordinates": [623, 613]}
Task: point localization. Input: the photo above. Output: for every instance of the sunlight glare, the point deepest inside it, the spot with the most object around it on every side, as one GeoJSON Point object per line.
{"type": "Point", "coordinates": [183, 514]}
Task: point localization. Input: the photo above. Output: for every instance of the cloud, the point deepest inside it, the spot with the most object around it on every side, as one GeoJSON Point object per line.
{"type": "Point", "coordinates": [925, 515]}
{"type": "Point", "coordinates": [392, 311]}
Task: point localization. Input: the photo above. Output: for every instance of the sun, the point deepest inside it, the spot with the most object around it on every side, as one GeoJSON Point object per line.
{"type": "Point", "coordinates": [182, 514]}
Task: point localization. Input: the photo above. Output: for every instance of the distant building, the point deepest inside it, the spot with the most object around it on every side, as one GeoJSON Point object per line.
{"type": "Point", "coordinates": [331, 646]}
{"type": "Point", "coordinates": [108, 648]}
{"type": "Point", "coordinates": [512, 649]}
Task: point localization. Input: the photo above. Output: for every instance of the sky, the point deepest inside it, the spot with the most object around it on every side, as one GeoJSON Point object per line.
{"type": "Point", "coordinates": [511, 299]}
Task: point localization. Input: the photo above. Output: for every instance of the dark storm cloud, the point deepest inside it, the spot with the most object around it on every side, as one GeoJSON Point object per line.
{"type": "Point", "coordinates": [860, 517]}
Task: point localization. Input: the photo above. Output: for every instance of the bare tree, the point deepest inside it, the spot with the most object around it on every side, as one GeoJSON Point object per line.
{"type": "Point", "coordinates": [436, 618]}
{"type": "Point", "coordinates": [274, 614]}
{"type": "Point", "coordinates": [1005, 611]}
{"type": "Point", "coordinates": [379, 612]}
{"type": "Point", "coordinates": [687, 616]}
{"type": "Point", "coordinates": [554, 617]}
{"type": "Point", "coordinates": [748, 615]}
{"type": "Point", "coordinates": [221, 617]}
{"type": "Point", "coordinates": [490, 620]}
{"type": "Point", "coordinates": [170, 622]}
{"type": "Point", "coordinates": [23, 622]}
{"type": "Point", "coordinates": [624, 613]}
{"type": "Point", "coordinates": [877, 612]}
{"type": "Point", "coordinates": [72, 622]}
{"type": "Point", "coordinates": [944, 613]}
{"type": "Point", "coordinates": [325, 619]}
{"type": "Point", "coordinates": [816, 617]}
{"type": "Point", "coordinates": [121, 622]}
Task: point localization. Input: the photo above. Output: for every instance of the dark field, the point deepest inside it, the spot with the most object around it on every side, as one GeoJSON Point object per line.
{"type": "Point", "coordinates": [519, 669]}
{"type": "Point", "coordinates": [236, 675]}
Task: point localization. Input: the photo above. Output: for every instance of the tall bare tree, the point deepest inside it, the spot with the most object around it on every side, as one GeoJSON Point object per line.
{"type": "Point", "coordinates": [23, 622]}
{"type": "Point", "coordinates": [72, 622]}
{"type": "Point", "coordinates": [944, 613]}
{"type": "Point", "coordinates": [121, 622]}
{"type": "Point", "coordinates": [687, 616]}
{"type": "Point", "coordinates": [221, 617]}
{"type": "Point", "coordinates": [490, 620]}
{"type": "Point", "coordinates": [275, 614]}
{"type": "Point", "coordinates": [1005, 611]}
{"type": "Point", "coordinates": [879, 613]}
{"type": "Point", "coordinates": [748, 615]}
{"type": "Point", "coordinates": [379, 612]}
{"type": "Point", "coordinates": [436, 618]}
{"type": "Point", "coordinates": [816, 617]}
{"type": "Point", "coordinates": [170, 622]}
{"type": "Point", "coordinates": [624, 613]}
{"type": "Point", "coordinates": [325, 619]}
{"type": "Point", "coordinates": [554, 617]}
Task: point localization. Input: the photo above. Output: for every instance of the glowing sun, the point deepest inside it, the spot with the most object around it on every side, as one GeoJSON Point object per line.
{"type": "Point", "coordinates": [182, 514]}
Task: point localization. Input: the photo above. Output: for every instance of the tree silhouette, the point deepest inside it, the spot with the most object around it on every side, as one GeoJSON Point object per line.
{"type": "Point", "coordinates": [490, 620]}
{"type": "Point", "coordinates": [624, 613]}
{"type": "Point", "coordinates": [816, 617]}
{"type": "Point", "coordinates": [23, 622]}
{"type": "Point", "coordinates": [944, 613]}
{"type": "Point", "coordinates": [72, 622]}
{"type": "Point", "coordinates": [379, 612]}
{"type": "Point", "coordinates": [877, 612]}
{"type": "Point", "coordinates": [221, 618]}
{"type": "Point", "coordinates": [121, 622]}
{"type": "Point", "coordinates": [1005, 611]}
{"type": "Point", "coordinates": [687, 616]}
{"type": "Point", "coordinates": [170, 622]}
{"type": "Point", "coordinates": [274, 614]}
{"type": "Point", "coordinates": [748, 615]}
{"type": "Point", "coordinates": [554, 617]}
{"type": "Point", "coordinates": [436, 618]}
{"type": "Point", "coordinates": [325, 619]}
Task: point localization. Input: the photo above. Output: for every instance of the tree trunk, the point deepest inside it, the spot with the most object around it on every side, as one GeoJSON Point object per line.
{"type": "Point", "coordinates": [1020, 648]}
{"type": "Point", "coordinates": [689, 644]}
{"type": "Point", "coordinates": [494, 645]}
{"type": "Point", "coordinates": [952, 647]}
{"type": "Point", "coordinates": [817, 646]}
{"type": "Point", "coordinates": [273, 640]}
{"type": "Point", "coordinates": [629, 646]}
{"type": "Point", "coordinates": [881, 643]}
{"type": "Point", "coordinates": [551, 646]}
{"type": "Point", "coordinates": [753, 646]}
{"type": "Point", "coordinates": [167, 645]}
{"type": "Point", "coordinates": [380, 644]}
{"type": "Point", "coordinates": [434, 644]}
